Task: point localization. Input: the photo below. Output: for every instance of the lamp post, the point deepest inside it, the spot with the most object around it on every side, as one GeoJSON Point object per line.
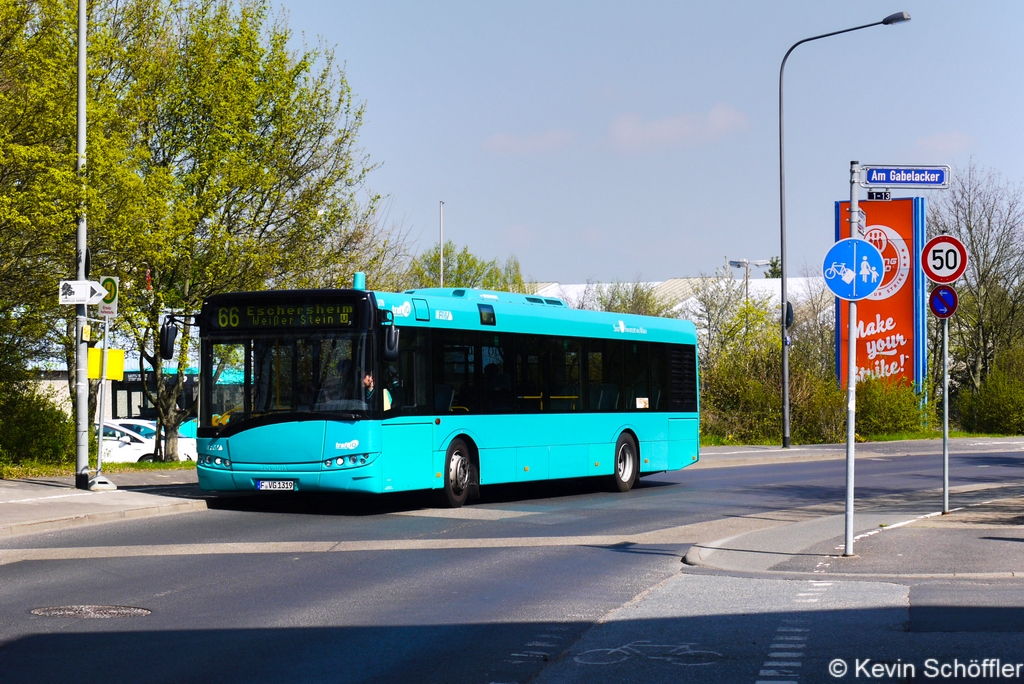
{"type": "Point", "coordinates": [896, 18]}
{"type": "Point", "coordinates": [746, 264]}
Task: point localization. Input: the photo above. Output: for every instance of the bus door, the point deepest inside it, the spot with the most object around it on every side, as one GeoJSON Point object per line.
{"type": "Point", "coordinates": [407, 432]}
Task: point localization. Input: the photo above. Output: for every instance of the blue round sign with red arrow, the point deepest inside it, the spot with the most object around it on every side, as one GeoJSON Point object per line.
{"type": "Point", "coordinates": [943, 301]}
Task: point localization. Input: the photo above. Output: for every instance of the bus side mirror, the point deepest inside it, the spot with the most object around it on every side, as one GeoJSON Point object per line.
{"type": "Point", "coordinates": [789, 314]}
{"type": "Point", "coordinates": [168, 333]}
{"type": "Point", "coordinates": [391, 343]}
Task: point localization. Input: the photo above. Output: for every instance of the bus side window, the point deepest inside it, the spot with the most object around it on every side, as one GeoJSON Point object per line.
{"type": "Point", "coordinates": [659, 376]}
{"type": "Point", "coordinates": [637, 362]}
{"type": "Point", "coordinates": [497, 388]}
{"type": "Point", "coordinates": [531, 353]}
{"type": "Point", "coordinates": [604, 376]}
{"type": "Point", "coordinates": [564, 379]}
{"type": "Point", "coordinates": [455, 372]}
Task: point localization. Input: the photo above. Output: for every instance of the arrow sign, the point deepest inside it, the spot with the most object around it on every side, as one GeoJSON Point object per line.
{"type": "Point", "coordinates": [853, 269]}
{"type": "Point", "coordinates": [96, 293]}
{"type": "Point", "coordinates": [76, 292]}
{"type": "Point", "coordinates": [943, 301]}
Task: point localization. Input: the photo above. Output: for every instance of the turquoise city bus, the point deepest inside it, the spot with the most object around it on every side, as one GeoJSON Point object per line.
{"type": "Point", "coordinates": [437, 389]}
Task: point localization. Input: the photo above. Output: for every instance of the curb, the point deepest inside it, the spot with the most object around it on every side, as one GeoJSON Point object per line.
{"type": "Point", "coordinates": [771, 460]}
{"type": "Point", "coordinates": [54, 524]}
{"type": "Point", "coordinates": [695, 559]}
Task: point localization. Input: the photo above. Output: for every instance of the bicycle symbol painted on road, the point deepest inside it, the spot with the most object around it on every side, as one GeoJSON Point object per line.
{"type": "Point", "coordinates": [677, 654]}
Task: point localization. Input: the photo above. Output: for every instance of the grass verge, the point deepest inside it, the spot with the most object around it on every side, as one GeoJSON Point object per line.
{"type": "Point", "coordinates": [9, 471]}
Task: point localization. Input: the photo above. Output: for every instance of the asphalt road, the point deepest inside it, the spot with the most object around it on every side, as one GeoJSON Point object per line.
{"type": "Point", "coordinates": [537, 583]}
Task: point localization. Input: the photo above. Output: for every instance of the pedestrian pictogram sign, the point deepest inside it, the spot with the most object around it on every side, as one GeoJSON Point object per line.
{"type": "Point", "coordinates": [944, 259]}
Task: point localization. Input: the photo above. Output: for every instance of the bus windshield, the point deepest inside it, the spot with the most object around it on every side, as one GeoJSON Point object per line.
{"type": "Point", "coordinates": [271, 375]}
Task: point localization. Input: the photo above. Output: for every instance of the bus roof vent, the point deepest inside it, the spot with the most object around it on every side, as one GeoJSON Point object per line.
{"type": "Point", "coordinates": [554, 302]}
{"type": "Point", "coordinates": [458, 293]}
{"type": "Point", "coordinates": [535, 300]}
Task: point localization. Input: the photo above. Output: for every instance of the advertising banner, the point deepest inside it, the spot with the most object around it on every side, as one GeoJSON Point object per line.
{"type": "Point", "coordinates": [891, 323]}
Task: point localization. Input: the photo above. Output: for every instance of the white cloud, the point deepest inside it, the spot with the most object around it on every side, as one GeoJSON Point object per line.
{"type": "Point", "coordinates": [945, 144]}
{"type": "Point", "coordinates": [529, 145]}
{"type": "Point", "coordinates": [630, 133]}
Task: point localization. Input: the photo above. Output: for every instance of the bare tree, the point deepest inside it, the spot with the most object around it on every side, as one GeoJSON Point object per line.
{"type": "Point", "coordinates": [987, 214]}
{"type": "Point", "coordinates": [714, 309]}
{"type": "Point", "coordinates": [636, 297]}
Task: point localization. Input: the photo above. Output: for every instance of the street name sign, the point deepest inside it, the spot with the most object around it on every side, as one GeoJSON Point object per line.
{"type": "Point", "coordinates": [76, 292]}
{"type": "Point", "coordinates": [943, 301]}
{"type": "Point", "coordinates": [853, 269]}
{"type": "Point", "coordinates": [904, 176]}
{"type": "Point", "coordinates": [944, 259]}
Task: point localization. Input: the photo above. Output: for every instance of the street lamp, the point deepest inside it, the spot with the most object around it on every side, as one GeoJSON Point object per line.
{"type": "Point", "coordinates": [896, 18]}
{"type": "Point", "coordinates": [746, 264]}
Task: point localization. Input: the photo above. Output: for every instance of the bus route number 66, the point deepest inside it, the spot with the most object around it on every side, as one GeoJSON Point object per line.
{"type": "Point", "coordinates": [227, 317]}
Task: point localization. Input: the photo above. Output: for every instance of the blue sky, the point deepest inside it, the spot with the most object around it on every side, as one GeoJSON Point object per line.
{"type": "Point", "coordinates": [610, 140]}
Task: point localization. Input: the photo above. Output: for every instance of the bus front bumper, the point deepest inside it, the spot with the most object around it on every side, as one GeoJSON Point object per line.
{"type": "Point", "coordinates": [306, 477]}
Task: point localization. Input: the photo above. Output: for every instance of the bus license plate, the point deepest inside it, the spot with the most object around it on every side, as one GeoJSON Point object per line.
{"type": "Point", "coordinates": [275, 485]}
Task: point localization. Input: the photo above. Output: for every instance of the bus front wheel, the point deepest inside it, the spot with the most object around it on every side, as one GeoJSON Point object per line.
{"type": "Point", "coordinates": [627, 463]}
{"type": "Point", "coordinates": [458, 475]}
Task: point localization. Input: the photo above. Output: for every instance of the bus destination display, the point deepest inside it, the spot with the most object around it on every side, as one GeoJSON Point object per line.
{"type": "Point", "coordinates": [262, 317]}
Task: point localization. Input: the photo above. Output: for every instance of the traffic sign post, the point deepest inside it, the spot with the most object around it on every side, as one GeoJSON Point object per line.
{"type": "Point", "coordinates": [943, 302]}
{"type": "Point", "coordinates": [853, 270]}
{"type": "Point", "coordinates": [944, 260]}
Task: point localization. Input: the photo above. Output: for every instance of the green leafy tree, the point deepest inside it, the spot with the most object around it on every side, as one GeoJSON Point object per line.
{"type": "Point", "coordinates": [238, 170]}
{"type": "Point", "coordinates": [464, 269]}
{"type": "Point", "coordinates": [38, 189]}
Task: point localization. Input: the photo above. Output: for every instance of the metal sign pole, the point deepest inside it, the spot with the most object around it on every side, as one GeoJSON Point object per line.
{"type": "Point", "coordinates": [98, 481]}
{"type": "Point", "coordinates": [851, 378]}
{"type": "Point", "coordinates": [945, 416]}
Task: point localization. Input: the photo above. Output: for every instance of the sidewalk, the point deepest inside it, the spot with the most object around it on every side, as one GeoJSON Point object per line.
{"type": "Point", "coordinates": [29, 506]}
{"type": "Point", "coordinates": [981, 538]}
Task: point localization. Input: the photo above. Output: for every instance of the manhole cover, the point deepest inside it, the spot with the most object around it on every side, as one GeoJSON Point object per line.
{"type": "Point", "coordinates": [99, 612]}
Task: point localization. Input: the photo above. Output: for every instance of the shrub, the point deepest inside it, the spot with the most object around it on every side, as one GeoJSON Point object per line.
{"type": "Point", "coordinates": [998, 406]}
{"type": "Point", "coordinates": [817, 409]}
{"type": "Point", "coordinates": [888, 406]}
{"type": "Point", "coordinates": [33, 428]}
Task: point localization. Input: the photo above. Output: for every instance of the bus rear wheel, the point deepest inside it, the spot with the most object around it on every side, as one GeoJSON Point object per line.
{"type": "Point", "coordinates": [627, 463]}
{"type": "Point", "coordinates": [458, 476]}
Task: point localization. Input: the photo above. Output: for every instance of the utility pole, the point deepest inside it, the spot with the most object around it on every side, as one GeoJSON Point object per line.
{"type": "Point", "coordinates": [441, 254]}
{"type": "Point", "coordinates": [81, 346]}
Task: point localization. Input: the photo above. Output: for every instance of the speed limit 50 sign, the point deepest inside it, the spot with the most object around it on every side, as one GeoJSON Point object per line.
{"type": "Point", "coordinates": [944, 259]}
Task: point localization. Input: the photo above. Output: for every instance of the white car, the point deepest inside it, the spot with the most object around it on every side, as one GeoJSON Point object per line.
{"type": "Point", "coordinates": [147, 429]}
{"type": "Point", "coordinates": [125, 446]}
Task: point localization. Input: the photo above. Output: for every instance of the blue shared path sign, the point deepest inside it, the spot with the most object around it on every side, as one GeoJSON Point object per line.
{"type": "Point", "coordinates": [905, 176]}
{"type": "Point", "coordinates": [853, 269]}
